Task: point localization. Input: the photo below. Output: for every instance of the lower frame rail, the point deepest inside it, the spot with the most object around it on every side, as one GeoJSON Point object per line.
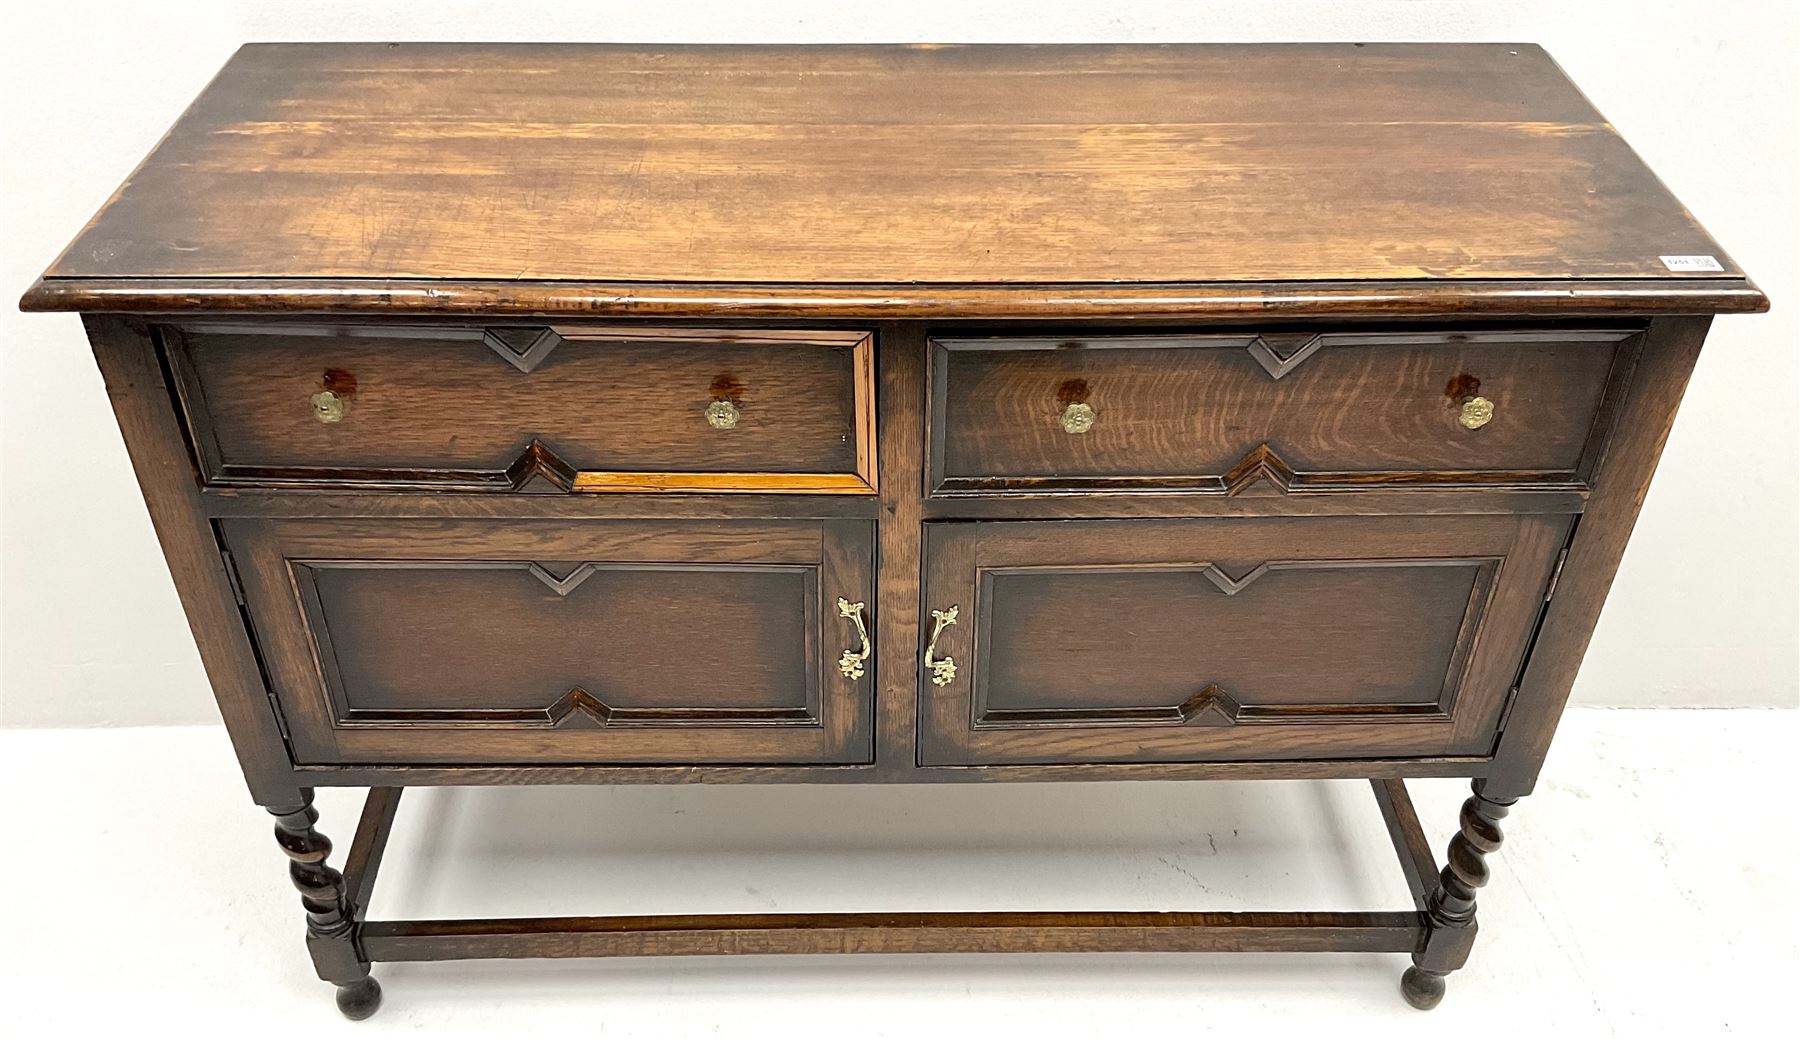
{"type": "Point", "coordinates": [1021, 932]}
{"type": "Point", "coordinates": [831, 933]}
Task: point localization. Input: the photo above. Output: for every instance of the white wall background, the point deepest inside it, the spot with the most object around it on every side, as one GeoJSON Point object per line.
{"type": "Point", "coordinates": [1706, 609]}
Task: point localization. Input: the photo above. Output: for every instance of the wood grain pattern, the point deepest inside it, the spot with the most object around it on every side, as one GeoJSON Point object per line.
{"type": "Point", "coordinates": [899, 554]}
{"type": "Point", "coordinates": [1645, 416]}
{"type": "Point", "coordinates": [439, 643]}
{"type": "Point", "coordinates": [699, 505]}
{"type": "Point", "coordinates": [714, 483]}
{"type": "Point", "coordinates": [331, 920]}
{"type": "Point", "coordinates": [141, 401]}
{"type": "Point", "coordinates": [1042, 164]}
{"type": "Point", "coordinates": [1221, 413]}
{"type": "Point", "coordinates": [1271, 275]}
{"type": "Point", "coordinates": [901, 444]}
{"type": "Point", "coordinates": [1402, 820]}
{"type": "Point", "coordinates": [867, 933]}
{"type": "Point", "coordinates": [369, 846]}
{"type": "Point", "coordinates": [583, 408]}
{"type": "Point", "coordinates": [536, 775]}
{"type": "Point", "coordinates": [1362, 637]}
{"type": "Point", "coordinates": [277, 502]}
{"type": "Point", "coordinates": [1166, 635]}
{"type": "Point", "coordinates": [620, 642]}
{"type": "Point", "coordinates": [1019, 932]}
{"type": "Point", "coordinates": [1450, 906]}
{"type": "Point", "coordinates": [1515, 298]}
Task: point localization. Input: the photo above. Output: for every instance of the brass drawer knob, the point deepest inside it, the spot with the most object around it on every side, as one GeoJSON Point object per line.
{"type": "Point", "coordinates": [722, 414]}
{"type": "Point", "coordinates": [1476, 413]}
{"type": "Point", "coordinates": [852, 662]}
{"type": "Point", "coordinates": [327, 407]}
{"type": "Point", "coordinates": [1078, 417]}
{"type": "Point", "coordinates": [943, 669]}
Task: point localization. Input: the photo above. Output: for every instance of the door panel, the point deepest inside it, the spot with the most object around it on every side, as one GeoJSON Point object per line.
{"type": "Point", "coordinates": [1229, 639]}
{"type": "Point", "coordinates": [595, 642]}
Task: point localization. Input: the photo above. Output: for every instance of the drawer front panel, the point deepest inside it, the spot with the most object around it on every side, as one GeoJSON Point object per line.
{"type": "Point", "coordinates": [1228, 639]}
{"type": "Point", "coordinates": [1235, 413]}
{"type": "Point", "coordinates": [594, 642]}
{"type": "Point", "coordinates": [533, 409]}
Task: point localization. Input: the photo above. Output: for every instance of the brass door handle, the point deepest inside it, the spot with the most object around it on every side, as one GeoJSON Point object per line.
{"type": "Point", "coordinates": [852, 662]}
{"type": "Point", "coordinates": [943, 669]}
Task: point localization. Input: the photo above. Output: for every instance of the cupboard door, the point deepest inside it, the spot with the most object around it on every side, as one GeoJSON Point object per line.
{"type": "Point", "coordinates": [594, 642]}
{"type": "Point", "coordinates": [1227, 639]}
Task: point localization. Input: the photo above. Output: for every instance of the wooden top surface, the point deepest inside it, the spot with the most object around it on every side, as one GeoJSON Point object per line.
{"type": "Point", "coordinates": [990, 168]}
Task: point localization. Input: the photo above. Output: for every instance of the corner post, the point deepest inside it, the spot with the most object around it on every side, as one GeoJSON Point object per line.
{"type": "Point", "coordinates": [1450, 908]}
{"type": "Point", "coordinates": [330, 915]}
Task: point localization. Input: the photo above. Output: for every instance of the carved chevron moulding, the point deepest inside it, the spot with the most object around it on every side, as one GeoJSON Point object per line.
{"type": "Point", "coordinates": [579, 701]}
{"type": "Point", "coordinates": [1261, 467]}
{"type": "Point", "coordinates": [579, 709]}
{"type": "Point", "coordinates": [567, 583]}
{"type": "Point", "coordinates": [523, 349]}
{"type": "Point", "coordinates": [1211, 706]}
{"type": "Point", "coordinates": [1229, 585]}
{"type": "Point", "coordinates": [1281, 353]}
{"type": "Point", "coordinates": [540, 471]}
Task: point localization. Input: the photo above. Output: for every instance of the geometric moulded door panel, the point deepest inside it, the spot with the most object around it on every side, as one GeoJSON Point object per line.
{"type": "Point", "coordinates": [1220, 639]}
{"type": "Point", "coordinates": [413, 640]}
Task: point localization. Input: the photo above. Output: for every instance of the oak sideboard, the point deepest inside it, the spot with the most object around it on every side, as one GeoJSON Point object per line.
{"type": "Point", "coordinates": [603, 414]}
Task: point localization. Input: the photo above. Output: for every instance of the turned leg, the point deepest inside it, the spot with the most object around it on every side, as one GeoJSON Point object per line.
{"type": "Point", "coordinates": [1451, 908]}
{"type": "Point", "coordinates": [330, 919]}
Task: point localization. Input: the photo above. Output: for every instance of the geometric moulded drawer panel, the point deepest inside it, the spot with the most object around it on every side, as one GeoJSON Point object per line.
{"type": "Point", "coordinates": [533, 409]}
{"type": "Point", "coordinates": [1266, 412]}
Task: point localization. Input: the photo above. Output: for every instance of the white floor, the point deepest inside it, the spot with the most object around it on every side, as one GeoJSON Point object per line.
{"type": "Point", "coordinates": [1646, 889]}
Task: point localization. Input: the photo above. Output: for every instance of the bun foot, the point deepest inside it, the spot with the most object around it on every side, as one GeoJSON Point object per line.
{"type": "Point", "coordinates": [1422, 989]}
{"type": "Point", "coordinates": [359, 999]}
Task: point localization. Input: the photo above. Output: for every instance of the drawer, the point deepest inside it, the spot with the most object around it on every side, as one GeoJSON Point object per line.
{"type": "Point", "coordinates": [1273, 412]}
{"type": "Point", "coordinates": [1227, 639]}
{"type": "Point", "coordinates": [536, 409]}
{"type": "Point", "coordinates": [591, 642]}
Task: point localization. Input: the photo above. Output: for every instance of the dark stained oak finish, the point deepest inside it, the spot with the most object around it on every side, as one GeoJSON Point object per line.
{"type": "Point", "coordinates": [1202, 301]}
{"type": "Point", "coordinates": [1671, 349]}
{"type": "Point", "coordinates": [966, 414]}
{"type": "Point", "coordinates": [1105, 163]}
{"type": "Point", "coordinates": [615, 642]}
{"type": "Point", "coordinates": [1233, 414]}
{"type": "Point", "coordinates": [154, 439]}
{"type": "Point", "coordinates": [1040, 932]}
{"type": "Point", "coordinates": [1227, 639]}
{"type": "Point", "coordinates": [331, 916]}
{"type": "Point", "coordinates": [542, 409]}
{"type": "Point", "coordinates": [1450, 904]}
{"type": "Point", "coordinates": [902, 450]}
